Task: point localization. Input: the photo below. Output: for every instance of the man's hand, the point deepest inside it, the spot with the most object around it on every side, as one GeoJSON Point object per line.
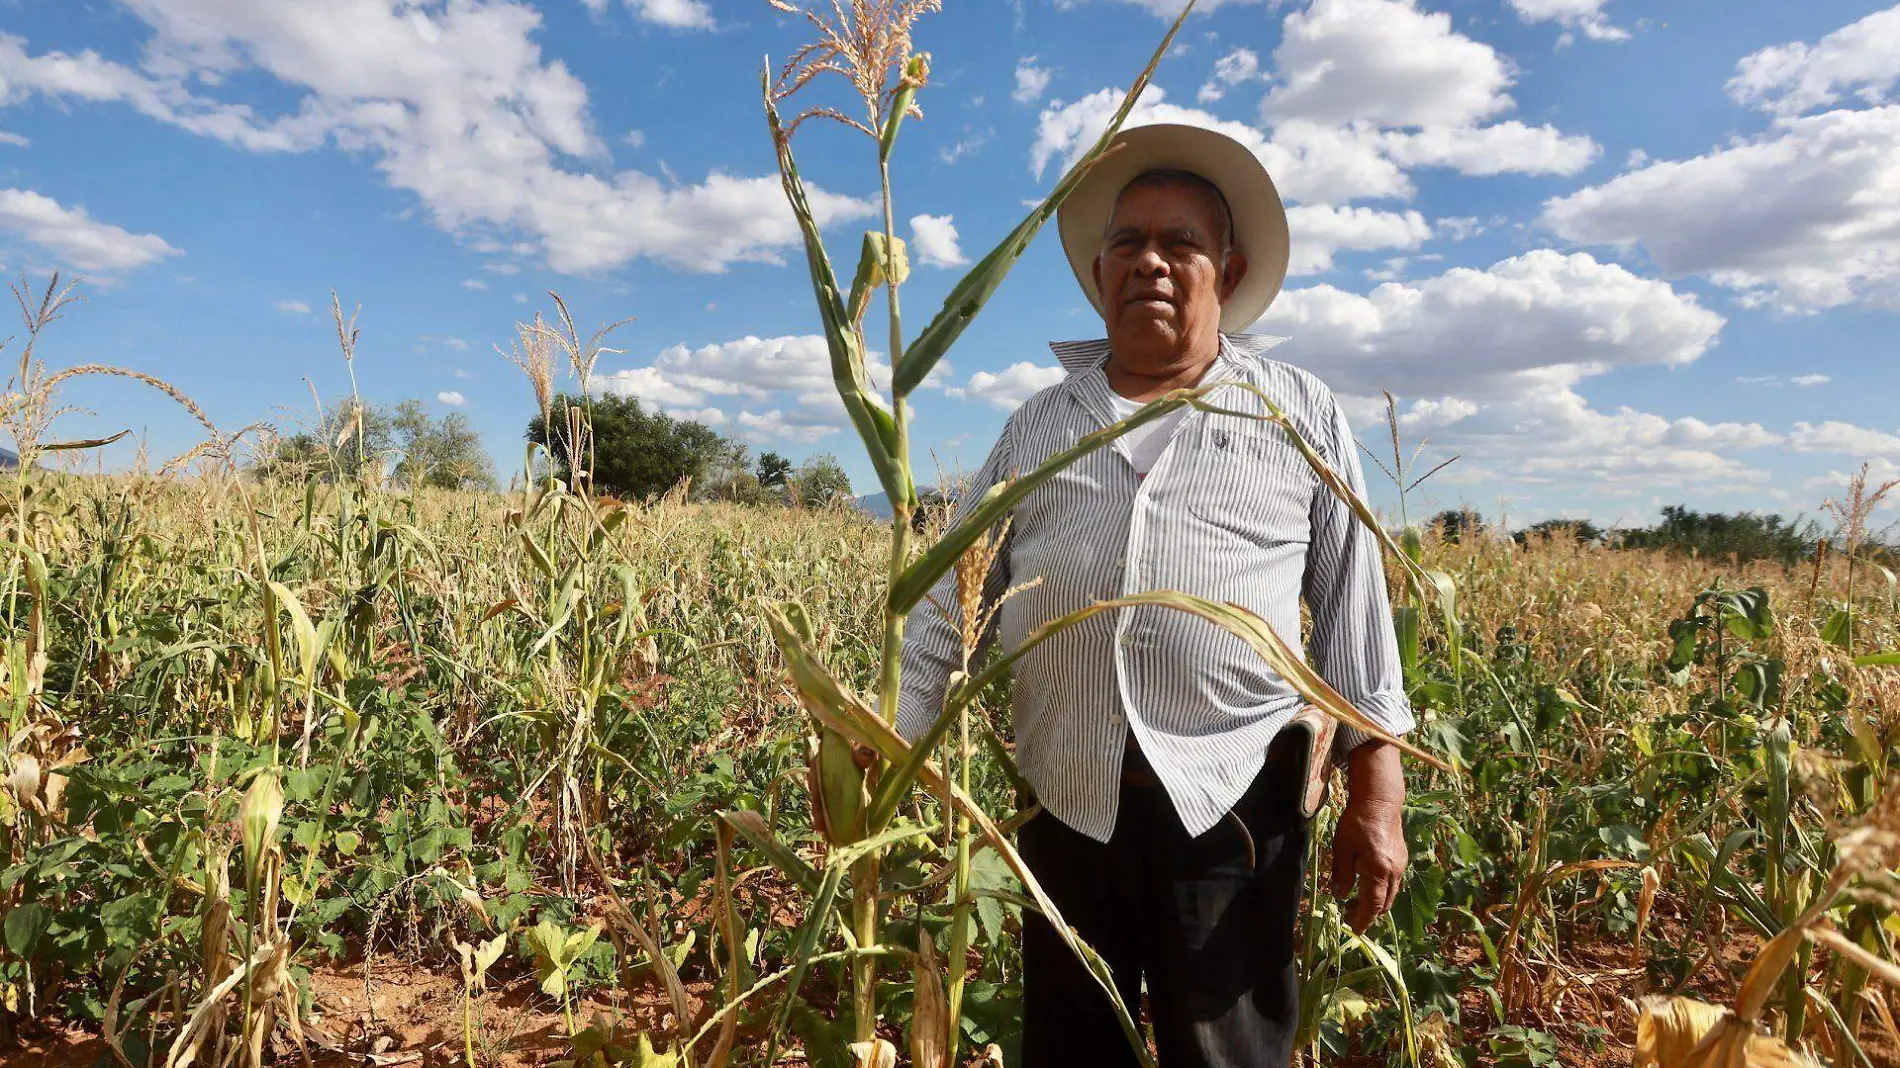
{"type": "Point", "coordinates": [1369, 844]}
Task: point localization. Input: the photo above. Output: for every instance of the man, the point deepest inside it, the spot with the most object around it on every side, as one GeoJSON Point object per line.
{"type": "Point", "coordinates": [1172, 833]}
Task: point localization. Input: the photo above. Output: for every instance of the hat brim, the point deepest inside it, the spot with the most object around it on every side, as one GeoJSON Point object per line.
{"type": "Point", "coordinates": [1259, 218]}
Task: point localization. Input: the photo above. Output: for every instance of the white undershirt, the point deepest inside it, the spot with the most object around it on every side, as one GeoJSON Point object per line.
{"type": "Point", "coordinates": [1146, 441]}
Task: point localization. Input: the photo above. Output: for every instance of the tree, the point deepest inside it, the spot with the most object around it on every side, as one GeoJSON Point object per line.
{"type": "Point", "coordinates": [1582, 530]}
{"type": "Point", "coordinates": [1744, 535]}
{"type": "Point", "coordinates": [350, 441]}
{"type": "Point", "coordinates": [1455, 524]}
{"type": "Point", "coordinates": [819, 481]}
{"type": "Point", "coordinates": [355, 440]}
{"type": "Point", "coordinates": [445, 453]}
{"type": "Point", "coordinates": [773, 469]}
{"type": "Point", "coordinates": [632, 452]}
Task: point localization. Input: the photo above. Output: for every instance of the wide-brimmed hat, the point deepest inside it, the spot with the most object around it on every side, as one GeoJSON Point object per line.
{"type": "Point", "coordinates": [1259, 217]}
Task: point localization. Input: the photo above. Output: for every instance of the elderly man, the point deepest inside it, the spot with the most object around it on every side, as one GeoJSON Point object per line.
{"type": "Point", "coordinates": [1175, 816]}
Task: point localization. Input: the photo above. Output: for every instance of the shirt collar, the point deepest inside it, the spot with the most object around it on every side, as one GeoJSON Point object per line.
{"type": "Point", "coordinates": [1079, 356]}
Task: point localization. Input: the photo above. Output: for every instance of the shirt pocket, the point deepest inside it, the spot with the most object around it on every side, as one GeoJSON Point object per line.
{"type": "Point", "coordinates": [1250, 482]}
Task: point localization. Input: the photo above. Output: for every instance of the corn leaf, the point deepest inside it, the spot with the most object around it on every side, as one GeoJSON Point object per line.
{"type": "Point", "coordinates": [301, 627]}
{"type": "Point", "coordinates": [751, 825]}
{"type": "Point", "coordinates": [924, 572]}
{"type": "Point", "coordinates": [841, 337]}
{"type": "Point", "coordinates": [1878, 659]}
{"type": "Point", "coordinates": [975, 288]}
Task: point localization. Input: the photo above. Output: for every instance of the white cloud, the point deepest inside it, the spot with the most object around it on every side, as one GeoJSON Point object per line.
{"type": "Point", "coordinates": [455, 343]}
{"type": "Point", "coordinates": [1804, 217]}
{"type": "Point", "coordinates": [1316, 163]}
{"type": "Point", "coordinates": [1031, 81]}
{"type": "Point", "coordinates": [1459, 228]}
{"type": "Point", "coordinates": [463, 373]}
{"type": "Point", "coordinates": [1788, 79]}
{"type": "Point", "coordinates": [1320, 231]}
{"type": "Point", "coordinates": [452, 398]}
{"type": "Point", "coordinates": [679, 14]}
{"type": "Point", "coordinates": [792, 373]}
{"type": "Point", "coordinates": [501, 268]}
{"type": "Point", "coordinates": [455, 104]}
{"type": "Point", "coordinates": [1385, 62]}
{"type": "Point", "coordinates": [706, 416]}
{"type": "Point", "coordinates": [1585, 15]}
{"type": "Point", "coordinates": [635, 138]}
{"type": "Point", "coordinates": [1811, 380]}
{"type": "Point", "coordinates": [8, 137]}
{"type": "Point", "coordinates": [74, 238]}
{"type": "Point", "coordinates": [777, 426]}
{"type": "Point", "coordinates": [474, 283]}
{"type": "Point", "coordinates": [1534, 322]}
{"type": "Point", "coordinates": [293, 307]}
{"type": "Point", "coordinates": [1844, 439]}
{"type": "Point", "coordinates": [1238, 67]}
{"type": "Point", "coordinates": [1502, 148]}
{"type": "Point", "coordinates": [934, 240]}
{"type": "Point", "coordinates": [1008, 389]}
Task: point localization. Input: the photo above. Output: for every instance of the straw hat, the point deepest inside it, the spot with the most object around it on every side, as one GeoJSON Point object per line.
{"type": "Point", "coordinates": [1259, 218]}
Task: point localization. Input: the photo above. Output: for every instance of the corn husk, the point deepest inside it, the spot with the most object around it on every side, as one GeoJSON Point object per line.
{"type": "Point", "coordinates": [930, 1012]}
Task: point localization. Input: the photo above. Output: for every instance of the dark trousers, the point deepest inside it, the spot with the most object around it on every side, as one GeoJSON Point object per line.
{"type": "Point", "coordinates": [1212, 933]}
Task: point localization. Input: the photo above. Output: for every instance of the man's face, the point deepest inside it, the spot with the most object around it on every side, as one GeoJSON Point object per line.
{"type": "Point", "coordinates": [1160, 273]}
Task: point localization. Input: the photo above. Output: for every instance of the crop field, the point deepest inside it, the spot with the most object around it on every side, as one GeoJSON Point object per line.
{"type": "Point", "coordinates": [323, 770]}
{"type": "Point", "coordinates": [333, 770]}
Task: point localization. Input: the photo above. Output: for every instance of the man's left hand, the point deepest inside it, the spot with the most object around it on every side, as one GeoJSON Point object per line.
{"type": "Point", "coordinates": [1369, 843]}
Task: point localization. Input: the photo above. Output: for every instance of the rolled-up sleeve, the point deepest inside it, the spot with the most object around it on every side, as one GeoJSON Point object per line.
{"type": "Point", "coordinates": [933, 645]}
{"type": "Point", "coordinates": [1352, 643]}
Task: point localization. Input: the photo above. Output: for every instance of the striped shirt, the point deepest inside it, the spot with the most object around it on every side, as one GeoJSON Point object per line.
{"type": "Point", "coordinates": [1230, 511]}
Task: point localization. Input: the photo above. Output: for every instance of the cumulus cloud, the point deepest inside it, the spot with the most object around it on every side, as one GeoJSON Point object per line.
{"type": "Point", "coordinates": [454, 104]}
{"type": "Point", "coordinates": [1238, 67]}
{"type": "Point", "coordinates": [933, 238]}
{"type": "Point", "coordinates": [74, 238]}
{"type": "Point", "coordinates": [775, 425]}
{"type": "Point", "coordinates": [1845, 439]}
{"type": "Point", "coordinates": [451, 397]}
{"type": "Point", "coordinates": [293, 307]}
{"type": "Point", "coordinates": [1011, 387]}
{"type": "Point", "coordinates": [678, 14]}
{"type": "Point", "coordinates": [1384, 62]}
{"type": "Point", "coordinates": [1787, 79]}
{"type": "Point", "coordinates": [1320, 231]}
{"type": "Point", "coordinates": [1811, 380]}
{"type": "Point", "coordinates": [1031, 81]}
{"type": "Point", "coordinates": [1530, 323]}
{"type": "Point", "coordinates": [1803, 217]}
{"type": "Point", "coordinates": [1584, 15]}
{"type": "Point", "coordinates": [788, 375]}
{"type": "Point", "coordinates": [1314, 162]}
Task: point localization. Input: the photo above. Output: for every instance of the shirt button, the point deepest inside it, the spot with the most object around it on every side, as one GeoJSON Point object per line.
{"type": "Point", "coordinates": [1117, 719]}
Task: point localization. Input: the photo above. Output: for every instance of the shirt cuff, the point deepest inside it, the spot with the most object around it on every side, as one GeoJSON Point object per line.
{"type": "Point", "coordinates": [1388, 708]}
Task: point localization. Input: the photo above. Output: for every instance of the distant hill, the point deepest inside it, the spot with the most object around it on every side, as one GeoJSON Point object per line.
{"type": "Point", "coordinates": [879, 504]}
{"type": "Point", "coordinates": [8, 460]}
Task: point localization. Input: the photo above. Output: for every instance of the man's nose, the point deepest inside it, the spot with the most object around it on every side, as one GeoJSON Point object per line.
{"type": "Point", "coordinates": [1151, 262]}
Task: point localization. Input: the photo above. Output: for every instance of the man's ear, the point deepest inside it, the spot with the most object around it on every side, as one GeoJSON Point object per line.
{"type": "Point", "coordinates": [1236, 270]}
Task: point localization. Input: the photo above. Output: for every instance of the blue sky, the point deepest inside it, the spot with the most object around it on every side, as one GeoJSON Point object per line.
{"type": "Point", "coordinates": [1613, 253]}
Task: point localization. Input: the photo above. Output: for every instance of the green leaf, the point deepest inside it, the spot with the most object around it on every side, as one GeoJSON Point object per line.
{"type": "Point", "coordinates": [996, 503]}
{"type": "Point", "coordinates": [25, 926]}
{"type": "Point", "coordinates": [975, 288]}
{"type": "Point", "coordinates": [300, 626]}
{"type": "Point", "coordinates": [752, 826]}
{"type": "Point", "coordinates": [1838, 631]}
{"type": "Point", "coordinates": [841, 335]}
{"type": "Point", "coordinates": [1878, 659]}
